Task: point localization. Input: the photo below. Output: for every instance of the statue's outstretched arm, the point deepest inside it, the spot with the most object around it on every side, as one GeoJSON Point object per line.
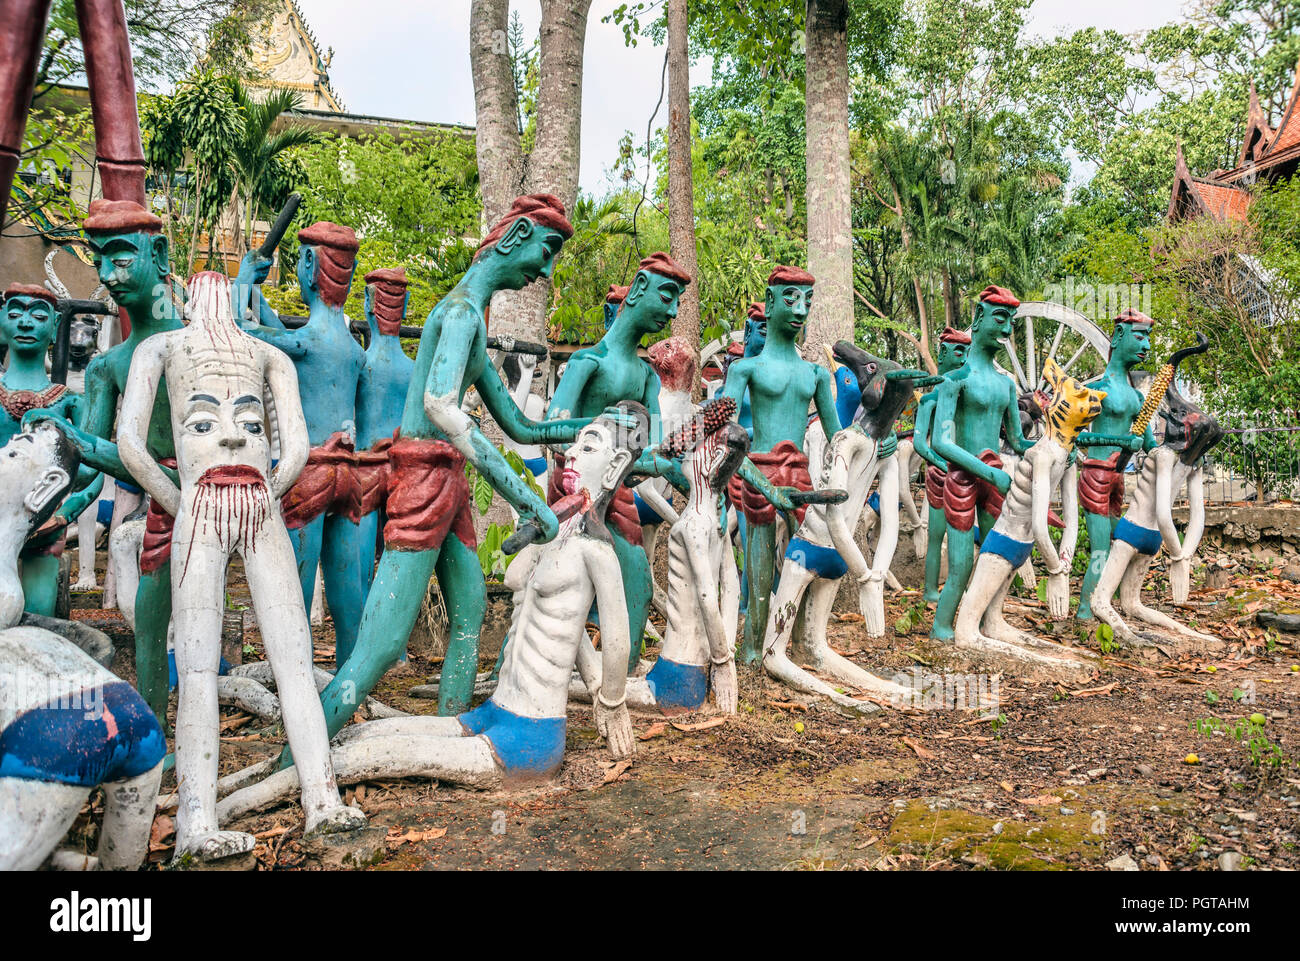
{"type": "Point", "coordinates": [133, 424]}
{"type": "Point", "coordinates": [512, 420]}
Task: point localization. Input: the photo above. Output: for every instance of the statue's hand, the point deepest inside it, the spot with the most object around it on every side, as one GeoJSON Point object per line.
{"type": "Point", "coordinates": [1135, 443]}
{"type": "Point", "coordinates": [782, 501]}
{"type": "Point", "coordinates": [1001, 480]}
{"type": "Point", "coordinates": [614, 724]}
{"type": "Point", "coordinates": [888, 446]}
{"type": "Point", "coordinates": [725, 689]}
{"type": "Point", "coordinates": [541, 517]}
{"type": "Point", "coordinates": [254, 268]}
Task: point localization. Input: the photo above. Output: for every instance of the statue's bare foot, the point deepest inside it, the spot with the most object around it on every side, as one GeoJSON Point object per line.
{"type": "Point", "coordinates": [336, 821]}
{"type": "Point", "coordinates": [81, 587]}
{"type": "Point", "coordinates": [856, 706]}
{"type": "Point", "coordinates": [215, 845]}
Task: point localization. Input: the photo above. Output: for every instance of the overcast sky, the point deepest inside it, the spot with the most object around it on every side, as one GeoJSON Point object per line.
{"type": "Point", "coordinates": [410, 60]}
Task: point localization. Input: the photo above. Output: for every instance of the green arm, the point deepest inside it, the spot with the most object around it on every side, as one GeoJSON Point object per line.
{"type": "Point", "coordinates": [828, 416]}
{"type": "Point", "coordinates": [656, 465]}
{"type": "Point", "coordinates": [289, 341]}
{"type": "Point", "coordinates": [1011, 424]}
{"type": "Point", "coordinates": [921, 435]}
{"type": "Point", "coordinates": [512, 420]}
{"type": "Point", "coordinates": [78, 502]}
{"type": "Point", "coordinates": [569, 390]}
{"type": "Point", "coordinates": [462, 331]}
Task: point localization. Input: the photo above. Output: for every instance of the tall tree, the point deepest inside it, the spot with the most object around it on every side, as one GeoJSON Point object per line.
{"type": "Point", "coordinates": [551, 166]}
{"type": "Point", "coordinates": [830, 215]}
{"type": "Point", "coordinates": [681, 196]}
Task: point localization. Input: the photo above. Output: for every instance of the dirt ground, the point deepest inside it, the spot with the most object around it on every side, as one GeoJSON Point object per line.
{"type": "Point", "coordinates": [1138, 768]}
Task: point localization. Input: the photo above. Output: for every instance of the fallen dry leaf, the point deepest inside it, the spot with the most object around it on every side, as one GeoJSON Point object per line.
{"type": "Point", "coordinates": [617, 770]}
{"type": "Point", "coordinates": [1041, 800]}
{"type": "Point", "coordinates": [654, 730]}
{"type": "Point", "coordinates": [162, 828]}
{"type": "Point", "coordinates": [920, 751]}
{"type": "Point", "coordinates": [1094, 691]}
{"type": "Point", "coordinates": [702, 726]}
{"type": "Point", "coordinates": [413, 836]}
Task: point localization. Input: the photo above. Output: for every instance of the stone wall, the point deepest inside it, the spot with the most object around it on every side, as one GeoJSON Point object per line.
{"type": "Point", "coordinates": [1265, 532]}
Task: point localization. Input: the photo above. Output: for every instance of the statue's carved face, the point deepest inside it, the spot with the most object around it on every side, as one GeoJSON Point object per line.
{"type": "Point", "coordinates": [220, 430]}
{"type": "Point", "coordinates": [132, 267]}
{"type": "Point", "coordinates": [787, 308]}
{"type": "Point", "coordinates": [1131, 343]}
{"type": "Point", "coordinates": [596, 462]}
{"type": "Point", "coordinates": [28, 325]}
{"type": "Point", "coordinates": [951, 357]}
{"type": "Point", "coordinates": [992, 323]}
{"type": "Point", "coordinates": [530, 250]}
{"type": "Point", "coordinates": [36, 467]}
{"type": "Point", "coordinates": [755, 336]}
{"type": "Point", "coordinates": [651, 304]}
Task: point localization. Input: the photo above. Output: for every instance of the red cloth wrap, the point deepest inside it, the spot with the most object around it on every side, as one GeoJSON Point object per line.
{"type": "Point", "coordinates": [934, 480]}
{"type": "Point", "coordinates": [428, 496]}
{"type": "Point", "coordinates": [621, 513]}
{"type": "Point", "coordinates": [372, 479]}
{"type": "Point", "coordinates": [327, 484]}
{"type": "Point", "coordinates": [1101, 486]}
{"type": "Point", "coordinates": [964, 493]}
{"type": "Point", "coordinates": [157, 547]}
{"type": "Point", "coordinates": [785, 466]}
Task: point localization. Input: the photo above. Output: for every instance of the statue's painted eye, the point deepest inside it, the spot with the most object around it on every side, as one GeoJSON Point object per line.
{"type": "Point", "coordinates": [254, 427]}
{"type": "Point", "coordinates": [202, 423]}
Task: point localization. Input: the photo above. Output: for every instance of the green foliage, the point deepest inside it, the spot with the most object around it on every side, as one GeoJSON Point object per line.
{"type": "Point", "coordinates": [491, 558]}
{"type": "Point", "coordinates": [412, 202]}
{"type": "Point", "coordinates": [1262, 751]}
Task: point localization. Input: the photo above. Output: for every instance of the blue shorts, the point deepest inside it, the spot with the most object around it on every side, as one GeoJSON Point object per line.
{"type": "Point", "coordinates": [874, 502]}
{"type": "Point", "coordinates": [678, 685]}
{"type": "Point", "coordinates": [1016, 552]}
{"type": "Point", "coordinates": [645, 514]}
{"type": "Point", "coordinates": [1144, 539]}
{"type": "Point", "coordinates": [104, 512]}
{"type": "Point", "coordinates": [58, 743]}
{"type": "Point", "coordinates": [536, 466]}
{"type": "Point", "coordinates": [524, 746]}
{"type": "Point", "coordinates": [128, 487]}
{"type": "Point", "coordinates": [822, 561]}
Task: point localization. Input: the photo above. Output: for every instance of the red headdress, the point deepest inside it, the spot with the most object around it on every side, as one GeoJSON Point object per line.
{"type": "Point", "coordinates": [29, 290]}
{"type": "Point", "coordinates": [993, 294]}
{"type": "Point", "coordinates": [545, 210]}
{"type": "Point", "coordinates": [663, 265]}
{"type": "Point", "coordinates": [336, 256]}
{"type": "Point", "coordinates": [119, 217]}
{"type": "Point", "coordinates": [1131, 316]}
{"type": "Point", "coordinates": [388, 299]}
{"type": "Point", "coordinates": [616, 294]}
{"type": "Point", "coordinates": [757, 311]}
{"type": "Point", "coordinates": [951, 335]}
{"type": "Point", "coordinates": [790, 276]}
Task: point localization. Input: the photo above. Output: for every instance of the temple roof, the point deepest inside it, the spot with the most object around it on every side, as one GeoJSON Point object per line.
{"type": "Point", "coordinates": [287, 57]}
{"type": "Point", "coordinates": [1268, 153]}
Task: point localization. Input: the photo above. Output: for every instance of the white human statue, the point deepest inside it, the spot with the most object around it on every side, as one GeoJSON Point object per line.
{"type": "Point", "coordinates": [674, 363]}
{"type": "Point", "coordinates": [824, 549]}
{"type": "Point", "coordinates": [228, 502]}
{"type": "Point", "coordinates": [1148, 524]}
{"type": "Point", "coordinates": [67, 725]}
{"type": "Point", "coordinates": [1043, 470]}
{"type": "Point", "coordinates": [703, 599]}
{"type": "Point", "coordinates": [517, 735]}
{"type": "Point", "coordinates": [518, 371]}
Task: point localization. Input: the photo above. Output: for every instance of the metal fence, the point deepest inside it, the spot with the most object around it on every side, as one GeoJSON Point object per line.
{"type": "Point", "coordinates": [1258, 460]}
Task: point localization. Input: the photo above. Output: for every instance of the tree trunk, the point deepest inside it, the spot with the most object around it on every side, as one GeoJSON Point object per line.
{"type": "Point", "coordinates": [681, 197]}
{"type": "Point", "coordinates": [830, 233]}
{"type": "Point", "coordinates": [551, 167]}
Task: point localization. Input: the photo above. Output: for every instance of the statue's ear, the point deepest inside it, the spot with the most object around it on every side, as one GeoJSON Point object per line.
{"type": "Point", "coordinates": [769, 301]}
{"type": "Point", "coordinates": [618, 466]}
{"type": "Point", "coordinates": [161, 253]}
{"type": "Point", "coordinates": [308, 258]}
{"type": "Point", "coordinates": [640, 284]}
{"type": "Point", "coordinates": [52, 483]}
{"type": "Point", "coordinates": [516, 234]}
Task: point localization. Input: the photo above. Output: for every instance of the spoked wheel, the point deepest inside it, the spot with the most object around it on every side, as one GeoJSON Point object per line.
{"type": "Point", "coordinates": [1046, 330]}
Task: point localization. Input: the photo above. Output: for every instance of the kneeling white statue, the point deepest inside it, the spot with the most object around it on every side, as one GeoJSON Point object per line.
{"type": "Point", "coordinates": [1148, 523]}
{"type": "Point", "coordinates": [517, 735]}
{"type": "Point", "coordinates": [227, 502]}
{"type": "Point", "coordinates": [67, 725]}
{"type": "Point", "coordinates": [981, 623]}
